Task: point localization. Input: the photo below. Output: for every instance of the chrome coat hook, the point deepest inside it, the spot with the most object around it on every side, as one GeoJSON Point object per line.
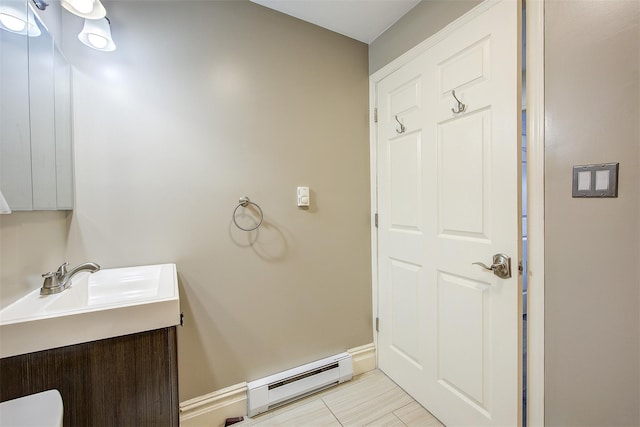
{"type": "Point", "coordinates": [461, 107]}
{"type": "Point", "coordinates": [402, 128]}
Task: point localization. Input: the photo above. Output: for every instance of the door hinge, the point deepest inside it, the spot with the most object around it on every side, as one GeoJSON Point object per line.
{"type": "Point", "coordinates": [375, 219]}
{"type": "Point", "coordinates": [375, 115]}
{"type": "Point", "coordinates": [377, 324]}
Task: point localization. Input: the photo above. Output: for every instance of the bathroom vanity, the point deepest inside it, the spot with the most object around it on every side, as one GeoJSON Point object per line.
{"type": "Point", "coordinates": [107, 343]}
{"type": "Point", "coordinates": [123, 381]}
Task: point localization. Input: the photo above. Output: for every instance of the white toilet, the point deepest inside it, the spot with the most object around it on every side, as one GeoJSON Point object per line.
{"type": "Point", "coordinates": [41, 409]}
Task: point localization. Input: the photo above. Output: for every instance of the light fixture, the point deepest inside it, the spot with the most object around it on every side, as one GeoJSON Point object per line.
{"type": "Point", "coordinates": [88, 9]}
{"type": "Point", "coordinates": [41, 4]}
{"type": "Point", "coordinates": [4, 206]}
{"type": "Point", "coordinates": [97, 34]}
{"type": "Point", "coordinates": [19, 20]}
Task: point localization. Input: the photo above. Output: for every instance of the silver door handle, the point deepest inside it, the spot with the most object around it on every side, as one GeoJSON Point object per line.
{"type": "Point", "coordinates": [501, 266]}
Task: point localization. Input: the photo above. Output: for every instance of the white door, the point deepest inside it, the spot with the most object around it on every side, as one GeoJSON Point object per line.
{"type": "Point", "coordinates": [448, 196]}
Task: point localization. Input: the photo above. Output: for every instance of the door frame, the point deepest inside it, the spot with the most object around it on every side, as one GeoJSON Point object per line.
{"type": "Point", "coordinates": [535, 188]}
{"type": "Point", "coordinates": [535, 211]}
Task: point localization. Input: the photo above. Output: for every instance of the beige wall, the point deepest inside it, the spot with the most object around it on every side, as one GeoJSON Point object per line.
{"type": "Point", "coordinates": [423, 21]}
{"type": "Point", "coordinates": [31, 243]}
{"type": "Point", "coordinates": [592, 246]}
{"type": "Point", "coordinates": [204, 102]}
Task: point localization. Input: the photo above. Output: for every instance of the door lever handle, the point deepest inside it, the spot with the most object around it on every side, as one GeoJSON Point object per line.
{"type": "Point", "coordinates": [485, 266]}
{"type": "Point", "coordinates": [501, 266]}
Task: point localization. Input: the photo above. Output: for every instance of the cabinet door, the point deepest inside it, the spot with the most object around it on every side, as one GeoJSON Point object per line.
{"type": "Point", "coordinates": [15, 136]}
{"type": "Point", "coordinates": [35, 118]}
{"type": "Point", "coordinates": [64, 160]}
{"type": "Point", "coordinates": [42, 118]}
{"type": "Point", "coordinates": [123, 381]}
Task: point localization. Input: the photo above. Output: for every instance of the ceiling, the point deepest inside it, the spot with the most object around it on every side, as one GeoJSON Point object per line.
{"type": "Point", "coordinates": [363, 20]}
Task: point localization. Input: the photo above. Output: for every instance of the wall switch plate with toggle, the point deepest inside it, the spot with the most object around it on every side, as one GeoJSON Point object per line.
{"type": "Point", "coordinates": [303, 197]}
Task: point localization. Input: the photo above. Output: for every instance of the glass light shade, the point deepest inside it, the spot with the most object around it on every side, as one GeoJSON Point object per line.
{"type": "Point", "coordinates": [97, 35]}
{"type": "Point", "coordinates": [88, 9]}
{"type": "Point", "coordinates": [82, 6]}
{"type": "Point", "coordinates": [12, 23]}
{"type": "Point", "coordinates": [19, 20]}
{"type": "Point", "coordinates": [97, 41]}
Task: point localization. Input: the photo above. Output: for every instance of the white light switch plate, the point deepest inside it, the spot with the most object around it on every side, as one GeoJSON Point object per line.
{"type": "Point", "coordinates": [303, 197]}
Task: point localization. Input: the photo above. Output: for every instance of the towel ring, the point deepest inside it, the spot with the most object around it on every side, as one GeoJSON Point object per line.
{"type": "Point", "coordinates": [244, 202]}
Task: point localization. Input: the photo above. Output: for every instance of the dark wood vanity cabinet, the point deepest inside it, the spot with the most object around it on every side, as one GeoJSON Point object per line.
{"type": "Point", "coordinates": [124, 381]}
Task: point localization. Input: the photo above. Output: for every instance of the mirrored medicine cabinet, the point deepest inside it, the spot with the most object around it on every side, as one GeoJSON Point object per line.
{"type": "Point", "coordinates": [36, 170]}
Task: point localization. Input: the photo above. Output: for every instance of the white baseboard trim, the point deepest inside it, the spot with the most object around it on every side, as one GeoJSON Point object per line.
{"type": "Point", "coordinates": [364, 358]}
{"type": "Point", "coordinates": [214, 408]}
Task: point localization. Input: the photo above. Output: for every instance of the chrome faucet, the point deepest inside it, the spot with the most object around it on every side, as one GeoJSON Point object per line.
{"type": "Point", "coordinates": [58, 281]}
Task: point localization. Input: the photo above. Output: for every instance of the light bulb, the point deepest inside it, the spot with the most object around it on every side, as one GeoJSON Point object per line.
{"type": "Point", "coordinates": [12, 23]}
{"type": "Point", "coordinates": [97, 41]}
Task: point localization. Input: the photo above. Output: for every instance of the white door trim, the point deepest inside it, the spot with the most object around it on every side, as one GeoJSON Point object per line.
{"type": "Point", "coordinates": [535, 214]}
{"type": "Point", "coordinates": [535, 190]}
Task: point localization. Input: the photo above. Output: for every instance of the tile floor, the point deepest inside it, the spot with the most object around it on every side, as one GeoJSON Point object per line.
{"type": "Point", "coordinates": [370, 399]}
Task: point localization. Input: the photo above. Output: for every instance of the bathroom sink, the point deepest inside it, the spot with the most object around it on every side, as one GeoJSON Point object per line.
{"type": "Point", "coordinates": [105, 304]}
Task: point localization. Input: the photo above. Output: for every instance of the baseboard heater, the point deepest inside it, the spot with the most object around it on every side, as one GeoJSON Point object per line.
{"type": "Point", "coordinates": [279, 389]}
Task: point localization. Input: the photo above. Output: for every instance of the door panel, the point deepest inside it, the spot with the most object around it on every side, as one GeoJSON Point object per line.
{"type": "Point", "coordinates": [448, 196]}
{"type": "Point", "coordinates": [463, 336]}
{"type": "Point", "coordinates": [463, 173]}
{"type": "Point", "coordinates": [405, 178]}
{"type": "Point", "coordinates": [405, 287]}
{"type": "Point", "coordinates": [466, 67]}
